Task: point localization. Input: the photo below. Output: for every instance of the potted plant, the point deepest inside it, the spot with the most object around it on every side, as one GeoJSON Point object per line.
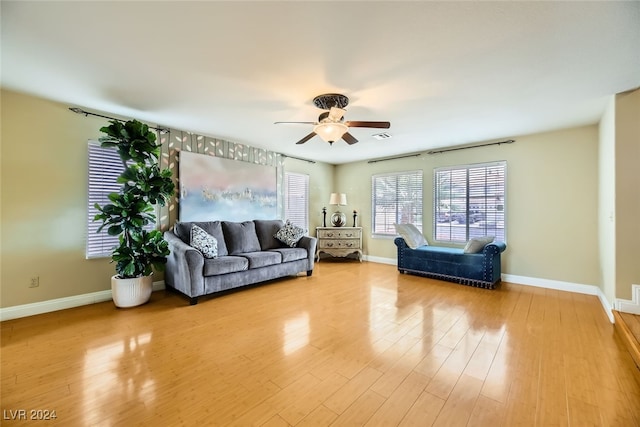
{"type": "Point", "coordinates": [144, 185]}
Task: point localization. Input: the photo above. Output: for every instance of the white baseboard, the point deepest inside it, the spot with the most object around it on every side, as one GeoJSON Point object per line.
{"type": "Point", "coordinates": [548, 284]}
{"type": "Point", "coordinates": [630, 306]}
{"type": "Point", "coordinates": [32, 309]}
{"type": "Point", "coordinates": [380, 260]}
{"type": "Point", "coordinates": [563, 286]}
{"type": "Point", "coordinates": [626, 306]}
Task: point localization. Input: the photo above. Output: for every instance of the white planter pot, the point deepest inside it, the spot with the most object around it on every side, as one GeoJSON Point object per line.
{"type": "Point", "coordinates": [131, 292]}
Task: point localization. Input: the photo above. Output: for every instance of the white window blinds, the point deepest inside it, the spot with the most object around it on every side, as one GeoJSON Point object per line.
{"type": "Point", "coordinates": [104, 168]}
{"type": "Point", "coordinates": [469, 201]}
{"type": "Point", "coordinates": [396, 198]}
{"type": "Point", "coordinates": [296, 199]}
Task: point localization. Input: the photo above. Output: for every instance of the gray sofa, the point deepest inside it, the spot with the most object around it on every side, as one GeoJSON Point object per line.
{"type": "Point", "coordinates": [248, 253]}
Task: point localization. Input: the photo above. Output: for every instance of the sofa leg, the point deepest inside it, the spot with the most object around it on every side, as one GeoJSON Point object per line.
{"type": "Point", "coordinates": [309, 273]}
{"type": "Point", "coordinates": [193, 301]}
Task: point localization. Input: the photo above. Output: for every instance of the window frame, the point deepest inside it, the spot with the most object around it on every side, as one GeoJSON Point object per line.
{"type": "Point", "coordinates": [305, 196]}
{"type": "Point", "coordinates": [104, 166]}
{"type": "Point", "coordinates": [483, 210]}
{"type": "Point", "coordinates": [419, 207]}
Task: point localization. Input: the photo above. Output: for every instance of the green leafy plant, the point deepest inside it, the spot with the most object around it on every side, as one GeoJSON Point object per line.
{"type": "Point", "coordinates": [143, 185]}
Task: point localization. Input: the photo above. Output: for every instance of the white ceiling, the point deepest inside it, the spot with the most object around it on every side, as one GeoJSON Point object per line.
{"type": "Point", "coordinates": [443, 73]}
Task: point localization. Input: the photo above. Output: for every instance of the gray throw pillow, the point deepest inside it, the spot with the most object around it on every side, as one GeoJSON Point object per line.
{"type": "Point", "coordinates": [477, 244]}
{"type": "Point", "coordinates": [290, 234]}
{"type": "Point", "coordinates": [411, 235]}
{"type": "Point", "coordinates": [204, 242]}
{"type": "Point", "coordinates": [266, 230]}
{"type": "Point", "coordinates": [240, 237]}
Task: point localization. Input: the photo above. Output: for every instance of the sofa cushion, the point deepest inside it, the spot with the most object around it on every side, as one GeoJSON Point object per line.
{"type": "Point", "coordinates": [266, 230]}
{"type": "Point", "coordinates": [477, 244]}
{"type": "Point", "coordinates": [240, 237]}
{"type": "Point", "coordinates": [224, 265]}
{"type": "Point", "coordinates": [289, 234]}
{"type": "Point", "coordinates": [411, 235]}
{"type": "Point", "coordinates": [204, 242]}
{"type": "Point", "coordinates": [439, 252]}
{"type": "Point", "coordinates": [214, 228]}
{"type": "Point", "coordinates": [262, 259]}
{"type": "Point", "coordinates": [291, 254]}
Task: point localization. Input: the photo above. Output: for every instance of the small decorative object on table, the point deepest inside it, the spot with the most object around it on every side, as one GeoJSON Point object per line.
{"type": "Point", "coordinates": [324, 217]}
{"type": "Point", "coordinates": [355, 216]}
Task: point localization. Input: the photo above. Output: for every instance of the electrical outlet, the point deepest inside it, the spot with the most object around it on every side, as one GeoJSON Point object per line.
{"type": "Point", "coordinates": [35, 282]}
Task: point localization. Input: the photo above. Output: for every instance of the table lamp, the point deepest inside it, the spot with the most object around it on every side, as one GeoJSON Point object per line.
{"type": "Point", "coordinates": [338, 219]}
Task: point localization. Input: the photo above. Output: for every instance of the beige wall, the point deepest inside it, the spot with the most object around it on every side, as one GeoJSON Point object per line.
{"type": "Point", "coordinates": [44, 187]}
{"type": "Point", "coordinates": [44, 193]}
{"type": "Point", "coordinates": [552, 204]}
{"type": "Point", "coordinates": [627, 197]}
{"type": "Point", "coordinates": [321, 182]}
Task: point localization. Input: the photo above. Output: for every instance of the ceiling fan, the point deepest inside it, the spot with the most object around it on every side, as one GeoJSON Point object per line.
{"type": "Point", "coordinates": [331, 125]}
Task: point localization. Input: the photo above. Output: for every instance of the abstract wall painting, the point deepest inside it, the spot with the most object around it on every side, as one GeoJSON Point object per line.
{"type": "Point", "coordinates": [215, 188]}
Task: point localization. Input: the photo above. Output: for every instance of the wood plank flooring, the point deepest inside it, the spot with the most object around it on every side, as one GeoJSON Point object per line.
{"type": "Point", "coordinates": [628, 326]}
{"type": "Point", "coordinates": [355, 344]}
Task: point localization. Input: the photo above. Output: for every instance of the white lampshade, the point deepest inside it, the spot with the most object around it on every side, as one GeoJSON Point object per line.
{"type": "Point", "coordinates": [339, 199]}
{"type": "Point", "coordinates": [330, 132]}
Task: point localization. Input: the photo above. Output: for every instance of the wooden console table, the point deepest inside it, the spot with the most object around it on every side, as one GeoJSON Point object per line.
{"type": "Point", "coordinates": [339, 241]}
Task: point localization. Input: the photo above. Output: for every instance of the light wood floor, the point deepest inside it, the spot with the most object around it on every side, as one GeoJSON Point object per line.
{"type": "Point", "coordinates": [355, 344]}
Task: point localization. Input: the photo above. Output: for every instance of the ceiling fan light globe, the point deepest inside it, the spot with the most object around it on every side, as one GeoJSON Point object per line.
{"type": "Point", "coordinates": [330, 132]}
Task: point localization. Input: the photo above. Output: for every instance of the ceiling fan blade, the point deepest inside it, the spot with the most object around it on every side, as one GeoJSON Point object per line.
{"type": "Point", "coordinates": [349, 139]}
{"type": "Point", "coordinates": [306, 138]}
{"type": "Point", "coordinates": [297, 123]}
{"type": "Point", "coordinates": [357, 124]}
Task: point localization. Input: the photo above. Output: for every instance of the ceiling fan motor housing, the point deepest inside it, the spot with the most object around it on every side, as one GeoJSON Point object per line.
{"type": "Point", "coordinates": [328, 100]}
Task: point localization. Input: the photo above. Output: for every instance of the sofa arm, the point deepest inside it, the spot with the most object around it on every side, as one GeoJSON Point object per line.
{"type": "Point", "coordinates": [495, 247]}
{"type": "Point", "coordinates": [492, 263]}
{"type": "Point", "coordinates": [400, 243]}
{"type": "Point", "coordinates": [309, 243]}
{"type": "Point", "coordinates": [184, 270]}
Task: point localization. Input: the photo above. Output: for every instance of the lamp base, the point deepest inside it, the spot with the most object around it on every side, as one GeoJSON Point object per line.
{"type": "Point", "coordinates": [338, 219]}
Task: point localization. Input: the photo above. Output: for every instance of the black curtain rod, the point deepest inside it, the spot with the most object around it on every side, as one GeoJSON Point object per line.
{"type": "Point", "coordinates": [394, 158]}
{"type": "Point", "coordinates": [161, 130]}
{"type": "Point", "coordinates": [87, 113]}
{"type": "Point", "coordinates": [508, 141]}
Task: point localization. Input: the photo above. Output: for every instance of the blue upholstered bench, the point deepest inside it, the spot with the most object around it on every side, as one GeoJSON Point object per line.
{"type": "Point", "coordinates": [481, 269]}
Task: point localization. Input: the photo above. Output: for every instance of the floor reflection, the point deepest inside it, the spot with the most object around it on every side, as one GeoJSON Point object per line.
{"type": "Point", "coordinates": [296, 333]}
{"type": "Point", "coordinates": [117, 375]}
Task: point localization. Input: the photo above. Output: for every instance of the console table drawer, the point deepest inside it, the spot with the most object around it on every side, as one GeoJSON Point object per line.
{"type": "Point", "coordinates": [339, 243]}
{"type": "Point", "coordinates": [339, 234]}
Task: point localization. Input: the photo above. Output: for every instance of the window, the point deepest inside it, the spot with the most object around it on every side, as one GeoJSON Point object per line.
{"type": "Point", "coordinates": [469, 201]}
{"type": "Point", "coordinates": [396, 198]}
{"type": "Point", "coordinates": [296, 198]}
{"type": "Point", "coordinates": [104, 168]}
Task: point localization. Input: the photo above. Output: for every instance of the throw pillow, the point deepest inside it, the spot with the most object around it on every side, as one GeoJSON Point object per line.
{"type": "Point", "coordinates": [411, 235]}
{"type": "Point", "coordinates": [290, 234]}
{"type": "Point", "coordinates": [204, 242]}
{"type": "Point", "coordinates": [240, 237]}
{"type": "Point", "coordinates": [477, 244]}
